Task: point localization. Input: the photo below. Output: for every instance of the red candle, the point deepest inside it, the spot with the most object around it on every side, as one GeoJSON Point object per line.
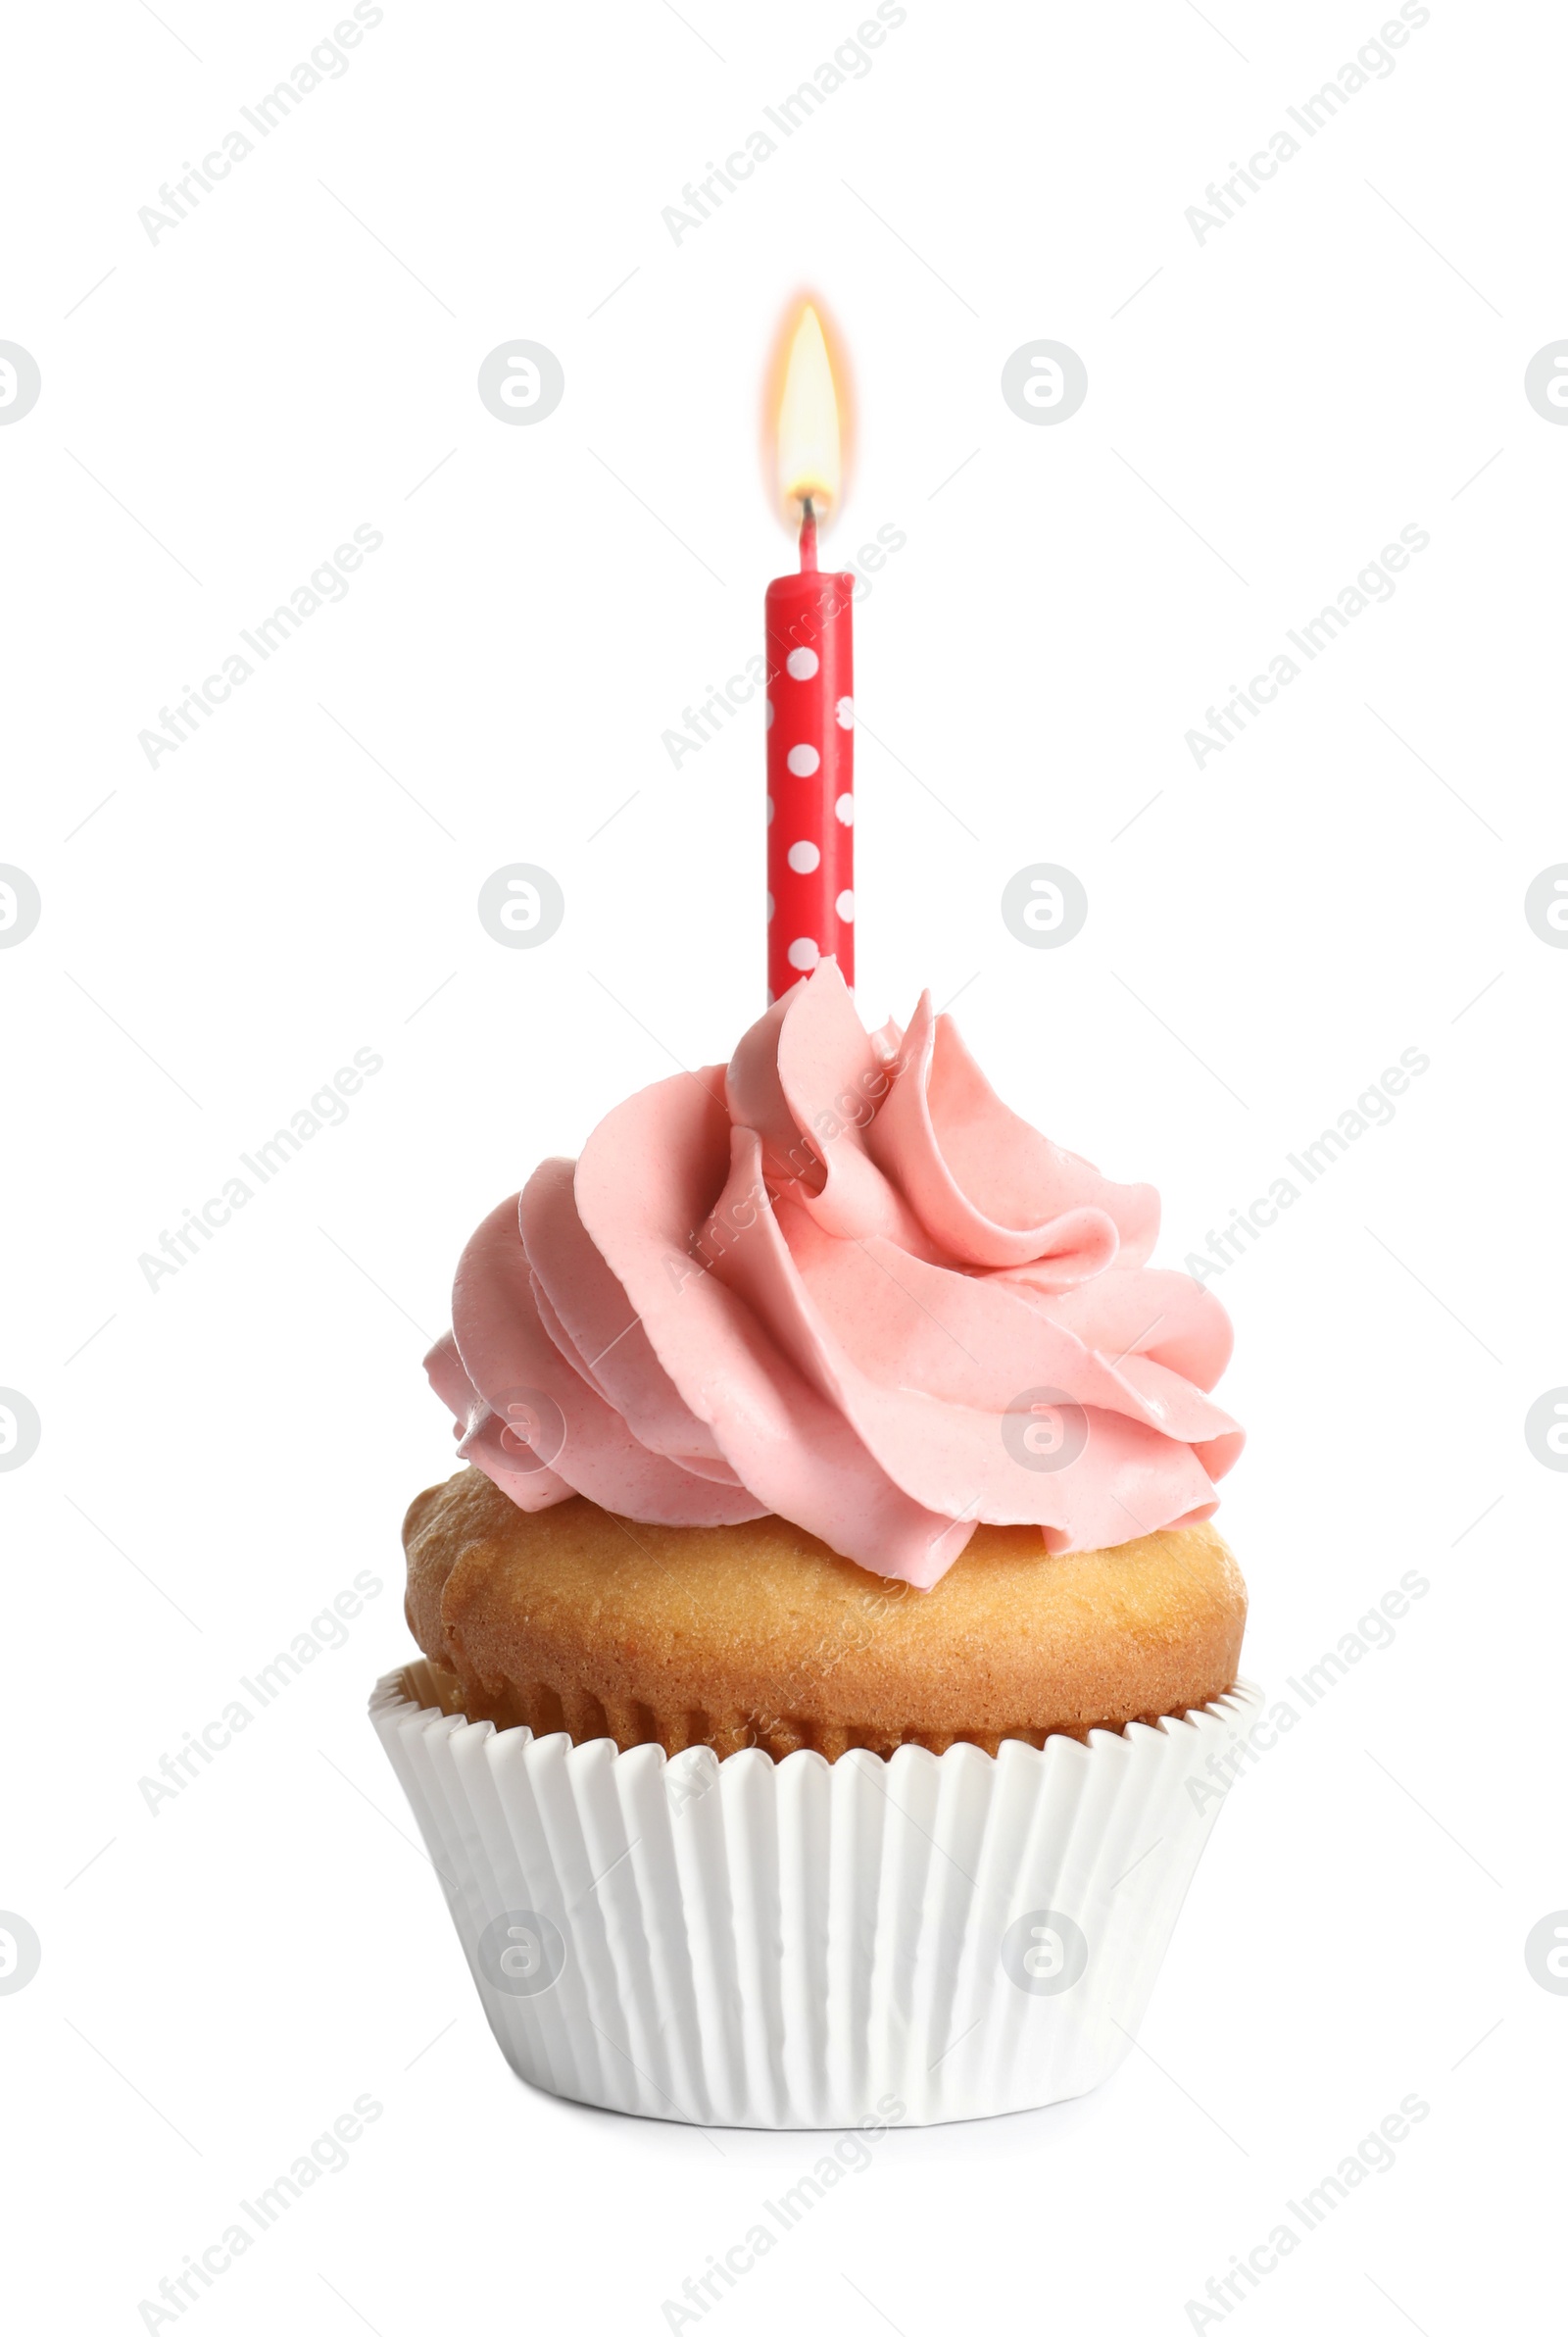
{"type": "Point", "coordinates": [810, 695]}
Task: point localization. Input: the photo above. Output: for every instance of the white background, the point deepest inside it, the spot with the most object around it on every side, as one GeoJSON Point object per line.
{"type": "Point", "coordinates": [220, 1456]}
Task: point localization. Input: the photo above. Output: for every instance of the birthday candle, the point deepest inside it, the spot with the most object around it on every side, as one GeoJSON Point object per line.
{"type": "Point", "coordinates": [810, 692]}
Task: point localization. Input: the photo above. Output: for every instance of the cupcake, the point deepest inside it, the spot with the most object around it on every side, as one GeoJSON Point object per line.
{"type": "Point", "coordinates": [825, 1642]}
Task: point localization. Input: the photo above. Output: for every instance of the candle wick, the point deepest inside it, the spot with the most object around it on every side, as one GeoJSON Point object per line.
{"type": "Point", "coordinates": [808, 538]}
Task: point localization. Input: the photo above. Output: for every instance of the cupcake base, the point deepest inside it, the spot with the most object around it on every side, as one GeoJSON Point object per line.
{"type": "Point", "coordinates": [573, 1618]}
{"type": "Point", "coordinates": [798, 1943]}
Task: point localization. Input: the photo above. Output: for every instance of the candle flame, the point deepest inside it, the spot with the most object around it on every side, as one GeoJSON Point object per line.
{"type": "Point", "coordinates": [811, 412]}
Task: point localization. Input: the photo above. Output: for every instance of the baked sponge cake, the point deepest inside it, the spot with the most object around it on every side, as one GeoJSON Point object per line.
{"type": "Point", "coordinates": [759, 1634]}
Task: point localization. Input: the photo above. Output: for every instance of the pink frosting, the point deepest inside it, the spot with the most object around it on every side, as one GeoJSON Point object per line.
{"type": "Point", "coordinates": [842, 1281]}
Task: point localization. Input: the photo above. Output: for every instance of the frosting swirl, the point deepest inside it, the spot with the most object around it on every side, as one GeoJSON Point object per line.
{"type": "Point", "coordinates": [843, 1281]}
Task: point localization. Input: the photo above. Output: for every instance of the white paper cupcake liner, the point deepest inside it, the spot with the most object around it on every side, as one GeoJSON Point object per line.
{"type": "Point", "coordinates": [793, 1944]}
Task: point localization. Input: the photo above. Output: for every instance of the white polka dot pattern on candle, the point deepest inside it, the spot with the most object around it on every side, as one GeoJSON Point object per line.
{"type": "Point", "coordinates": [770, 906]}
{"type": "Point", "coordinates": [809, 760]}
{"type": "Point", "coordinates": [767, 719]}
{"type": "Point", "coordinates": [845, 905]}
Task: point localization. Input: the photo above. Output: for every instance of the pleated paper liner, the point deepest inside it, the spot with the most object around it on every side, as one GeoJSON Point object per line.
{"type": "Point", "coordinates": [752, 1942]}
